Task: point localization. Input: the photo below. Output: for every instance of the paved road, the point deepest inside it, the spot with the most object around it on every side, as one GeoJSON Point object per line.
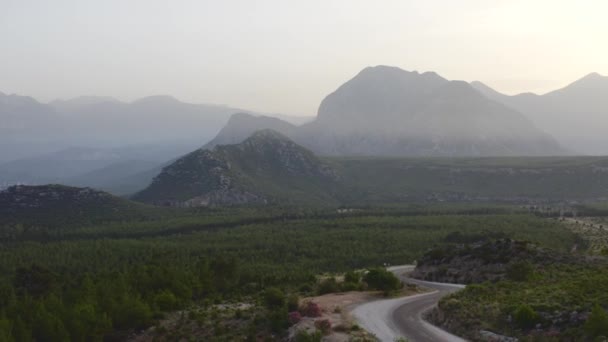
{"type": "Point", "coordinates": [402, 317]}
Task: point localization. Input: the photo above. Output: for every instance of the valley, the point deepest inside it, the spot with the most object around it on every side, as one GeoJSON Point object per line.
{"type": "Point", "coordinates": [303, 171]}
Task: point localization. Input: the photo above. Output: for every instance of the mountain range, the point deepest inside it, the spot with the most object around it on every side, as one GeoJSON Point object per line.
{"type": "Point", "coordinates": [100, 141]}
{"type": "Point", "coordinates": [31, 129]}
{"type": "Point", "coordinates": [576, 115]}
{"type": "Point", "coordinates": [386, 111]}
{"type": "Point", "coordinates": [383, 112]}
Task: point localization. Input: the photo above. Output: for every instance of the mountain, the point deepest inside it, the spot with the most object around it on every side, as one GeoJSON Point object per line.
{"type": "Point", "coordinates": [392, 112]}
{"type": "Point", "coordinates": [267, 167]}
{"type": "Point", "coordinates": [81, 102]}
{"type": "Point", "coordinates": [30, 128]}
{"type": "Point", "coordinates": [576, 115]}
{"type": "Point", "coordinates": [386, 111]}
{"type": "Point", "coordinates": [97, 141]}
{"type": "Point", "coordinates": [109, 169]}
{"type": "Point", "coordinates": [241, 125]}
{"type": "Point", "coordinates": [58, 206]}
{"type": "Point", "coordinates": [120, 178]}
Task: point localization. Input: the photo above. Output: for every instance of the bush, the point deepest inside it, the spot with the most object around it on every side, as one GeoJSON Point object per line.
{"type": "Point", "coordinates": [293, 302]}
{"type": "Point", "coordinates": [294, 317]}
{"type": "Point", "coordinates": [304, 336]}
{"type": "Point", "coordinates": [352, 277]}
{"type": "Point", "coordinates": [278, 320]}
{"type": "Point", "coordinates": [166, 301]}
{"type": "Point", "coordinates": [520, 271]}
{"type": "Point", "coordinates": [311, 309]}
{"type": "Point", "coordinates": [350, 287]}
{"type": "Point", "coordinates": [328, 285]}
{"type": "Point", "coordinates": [383, 280]}
{"type": "Point", "coordinates": [525, 317]}
{"type": "Point", "coordinates": [274, 298]}
{"type": "Point", "coordinates": [324, 325]}
{"type": "Point", "coordinates": [597, 323]}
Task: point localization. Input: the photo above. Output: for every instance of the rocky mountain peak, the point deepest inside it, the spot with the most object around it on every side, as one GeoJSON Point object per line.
{"type": "Point", "coordinates": [253, 171]}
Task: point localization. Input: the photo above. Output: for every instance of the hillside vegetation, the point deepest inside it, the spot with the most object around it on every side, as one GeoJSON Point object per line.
{"type": "Point", "coordinates": [519, 289]}
{"type": "Point", "coordinates": [58, 207]}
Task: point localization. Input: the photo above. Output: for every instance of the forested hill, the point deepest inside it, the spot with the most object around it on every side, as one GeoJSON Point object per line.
{"type": "Point", "coordinates": [59, 206]}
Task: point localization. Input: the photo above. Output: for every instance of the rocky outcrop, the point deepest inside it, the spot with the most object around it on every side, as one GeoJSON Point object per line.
{"type": "Point", "coordinates": [485, 261]}
{"type": "Point", "coordinates": [20, 197]}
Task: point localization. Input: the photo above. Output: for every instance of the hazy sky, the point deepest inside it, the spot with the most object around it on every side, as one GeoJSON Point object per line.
{"type": "Point", "coordinates": [286, 55]}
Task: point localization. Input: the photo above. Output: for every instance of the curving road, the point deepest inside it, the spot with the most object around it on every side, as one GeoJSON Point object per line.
{"type": "Point", "coordinates": [390, 319]}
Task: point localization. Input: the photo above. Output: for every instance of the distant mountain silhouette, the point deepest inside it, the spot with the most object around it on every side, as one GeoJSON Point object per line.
{"type": "Point", "coordinates": [386, 111]}
{"type": "Point", "coordinates": [242, 125]}
{"type": "Point", "coordinates": [576, 115]}
{"type": "Point", "coordinates": [30, 128]}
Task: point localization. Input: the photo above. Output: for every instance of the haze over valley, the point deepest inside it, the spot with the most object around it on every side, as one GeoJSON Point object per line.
{"type": "Point", "coordinates": [382, 111]}
{"type": "Point", "coordinates": [314, 171]}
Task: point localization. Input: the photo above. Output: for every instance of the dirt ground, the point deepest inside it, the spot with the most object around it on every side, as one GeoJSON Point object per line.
{"type": "Point", "coordinates": [336, 308]}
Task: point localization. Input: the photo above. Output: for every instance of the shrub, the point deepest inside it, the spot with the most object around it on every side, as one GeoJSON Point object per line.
{"type": "Point", "coordinates": [274, 298]}
{"type": "Point", "coordinates": [520, 271]}
{"type": "Point", "coordinates": [304, 336]}
{"type": "Point", "coordinates": [328, 285]}
{"type": "Point", "coordinates": [383, 280]}
{"type": "Point", "coordinates": [294, 317]}
{"type": "Point", "coordinates": [324, 325]}
{"type": "Point", "coordinates": [597, 323]}
{"type": "Point", "coordinates": [278, 320]}
{"type": "Point", "coordinates": [352, 277]}
{"type": "Point", "coordinates": [166, 301]}
{"type": "Point", "coordinates": [525, 317]}
{"type": "Point", "coordinates": [293, 302]}
{"type": "Point", "coordinates": [311, 309]}
{"type": "Point", "coordinates": [350, 287]}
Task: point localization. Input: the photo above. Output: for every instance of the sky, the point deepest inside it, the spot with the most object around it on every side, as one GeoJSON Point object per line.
{"type": "Point", "coordinates": [282, 56]}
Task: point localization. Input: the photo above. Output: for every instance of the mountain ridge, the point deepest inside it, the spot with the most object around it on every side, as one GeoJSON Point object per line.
{"type": "Point", "coordinates": [387, 111]}
{"type": "Point", "coordinates": [576, 115]}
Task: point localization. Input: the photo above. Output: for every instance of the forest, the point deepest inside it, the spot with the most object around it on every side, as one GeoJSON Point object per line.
{"type": "Point", "coordinates": [108, 279]}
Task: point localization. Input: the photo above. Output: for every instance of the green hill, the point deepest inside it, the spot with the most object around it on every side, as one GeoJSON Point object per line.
{"type": "Point", "coordinates": [58, 206]}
